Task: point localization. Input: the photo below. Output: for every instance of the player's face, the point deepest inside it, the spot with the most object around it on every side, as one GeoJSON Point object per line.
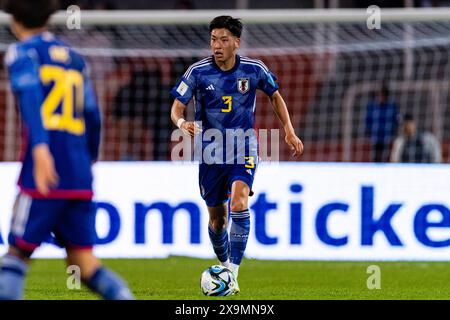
{"type": "Point", "coordinates": [410, 128]}
{"type": "Point", "coordinates": [223, 44]}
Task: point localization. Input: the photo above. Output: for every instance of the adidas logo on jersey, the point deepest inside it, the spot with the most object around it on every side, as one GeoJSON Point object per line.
{"type": "Point", "coordinates": [249, 171]}
{"type": "Point", "coordinates": [210, 87]}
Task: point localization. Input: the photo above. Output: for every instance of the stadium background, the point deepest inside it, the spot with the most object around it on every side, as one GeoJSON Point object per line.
{"type": "Point", "coordinates": [328, 72]}
{"type": "Point", "coordinates": [329, 66]}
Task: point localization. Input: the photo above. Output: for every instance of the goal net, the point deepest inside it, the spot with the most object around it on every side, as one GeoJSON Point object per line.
{"type": "Point", "coordinates": [331, 69]}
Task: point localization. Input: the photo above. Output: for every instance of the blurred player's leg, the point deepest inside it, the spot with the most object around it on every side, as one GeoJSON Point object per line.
{"type": "Point", "coordinates": [240, 226]}
{"type": "Point", "coordinates": [76, 231]}
{"type": "Point", "coordinates": [13, 268]}
{"type": "Point", "coordinates": [217, 229]}
{"type": "Point", "coordinates": [98, 278]}
{"type": "Point", "coordinates": [31, 224]}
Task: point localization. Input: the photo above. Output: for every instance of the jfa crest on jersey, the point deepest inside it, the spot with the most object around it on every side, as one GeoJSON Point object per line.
{"type": "Point", "coordinates": [243, 85]}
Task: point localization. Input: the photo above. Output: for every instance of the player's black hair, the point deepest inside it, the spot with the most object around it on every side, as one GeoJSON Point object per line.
{"type": "Point", "coordinates": [385, 91]}
{"type": "Point", "coordinates": [232, 24]}
{"type": "Point", "coordinates": [408, 117]}
{"type": "Point", "coordinates": [31, 13]}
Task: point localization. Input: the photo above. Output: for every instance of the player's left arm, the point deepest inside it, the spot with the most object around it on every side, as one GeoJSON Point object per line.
{"type": "Point", "coordinates": [280, 109]}
{"type": "Point", "coordinates": [24, 77]}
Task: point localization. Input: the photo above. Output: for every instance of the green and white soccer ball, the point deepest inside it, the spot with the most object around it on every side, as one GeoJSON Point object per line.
{"type": "Point", "coordinates": [217, 281]}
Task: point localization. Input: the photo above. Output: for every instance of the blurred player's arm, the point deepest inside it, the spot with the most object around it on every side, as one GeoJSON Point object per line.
{"type": "Point", "coordinates": [280, 109]}
{"type": "Point", "coordinates": [25, 82]}
{"type": "Point", "coordinates": [177, 116]}
{"type": "Point", "coordinates": [44, 172]}
{"type": "Point", "coordinates": [397, 149]}
{"type": "Point", "coordinates": [92, 120]}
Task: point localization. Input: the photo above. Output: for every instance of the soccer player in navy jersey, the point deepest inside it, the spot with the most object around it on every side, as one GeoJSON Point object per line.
{"type": "Point", "coordinates": [224, 90]}
{"type": "Point", "coordinates": [61, 126]}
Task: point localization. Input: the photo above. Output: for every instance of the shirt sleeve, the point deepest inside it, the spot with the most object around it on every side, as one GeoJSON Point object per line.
{"type": "Point", "coordinates": [397, 149]}
{"type": "Point", "coordinates": [92, 118]}
{"type": "Point", "coordinates": [23, 69]}
{"type": "Point", "coordinates": [185, 88]}
{"type": "Point", "coordinates": [267, 81]}
{"type": "Point", "coordinates": [434, 147]}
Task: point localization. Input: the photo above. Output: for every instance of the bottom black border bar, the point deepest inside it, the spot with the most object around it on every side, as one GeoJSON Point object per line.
{"type": "Point", "coordinates": [236, 309]}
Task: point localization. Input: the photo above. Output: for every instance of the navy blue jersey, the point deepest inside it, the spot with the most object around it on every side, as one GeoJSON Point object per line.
{"type": "Point", "coordinates": [226, 99]}
{"type": "Point", "coordinates": [57, 107]}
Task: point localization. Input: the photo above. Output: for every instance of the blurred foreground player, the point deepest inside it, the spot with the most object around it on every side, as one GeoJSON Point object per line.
{"type": "Point", "coordinates": [224, 88]}
{"type": "Point", "coordinates": [61, 127]}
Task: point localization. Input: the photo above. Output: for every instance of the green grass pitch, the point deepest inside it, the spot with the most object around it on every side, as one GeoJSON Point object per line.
{"type": "Point", "coordinates": [178, 278]}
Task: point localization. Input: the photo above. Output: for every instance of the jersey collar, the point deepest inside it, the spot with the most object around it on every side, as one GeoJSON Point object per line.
{"type": "Point", "coordinates": [46, 35]}
{"type": "Point", "coordinates": [236, 65]}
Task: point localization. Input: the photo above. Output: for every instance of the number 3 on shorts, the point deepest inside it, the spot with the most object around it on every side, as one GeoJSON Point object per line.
{"type": "Point", "coordinates": [250, 162]}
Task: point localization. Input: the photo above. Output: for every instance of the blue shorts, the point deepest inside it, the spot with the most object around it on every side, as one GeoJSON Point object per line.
{"type": "Point", "coordinates": [215, 180]}
{"type": "Point", "coordinates": [71, 222]}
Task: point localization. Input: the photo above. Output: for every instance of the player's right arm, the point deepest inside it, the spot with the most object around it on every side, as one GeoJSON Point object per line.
{"type": "Point", "coordinates": [183, 93]}
{"type": "Point", "coordinates": [25, 82]}
{"type": "Point", "coordinates": [177, 116]}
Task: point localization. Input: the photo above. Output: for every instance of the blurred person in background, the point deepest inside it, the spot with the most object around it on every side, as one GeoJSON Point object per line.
{"type": "Point", "coordinates": [382, 120]}
{"type": "Point", "coordinates": [61, 130]}
{"type": "Point", "coordinates": [415, 146]}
